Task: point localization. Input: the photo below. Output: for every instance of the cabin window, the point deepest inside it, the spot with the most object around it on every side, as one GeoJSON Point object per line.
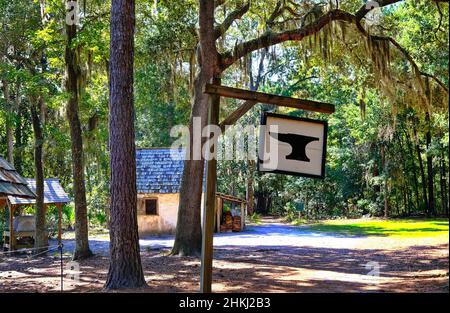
{"type": "Point", "coordinates": [151, 207]}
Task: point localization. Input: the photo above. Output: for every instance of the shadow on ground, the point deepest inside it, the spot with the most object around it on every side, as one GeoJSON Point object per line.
{"type": "Point", "coordinates": [252, 269]}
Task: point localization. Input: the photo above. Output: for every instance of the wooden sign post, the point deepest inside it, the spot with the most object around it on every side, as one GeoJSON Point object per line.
{"type": "Point", "coordinates": [216, 91]}
{"type": "Point", "coordinates": [209, 206]}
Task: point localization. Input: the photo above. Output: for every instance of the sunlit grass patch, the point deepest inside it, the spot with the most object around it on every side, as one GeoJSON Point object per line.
{"type": "Point", "coordinates": [386, 228]}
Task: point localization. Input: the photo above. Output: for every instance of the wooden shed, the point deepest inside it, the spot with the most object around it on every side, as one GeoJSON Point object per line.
{"type": "Point", "coordinates": [23, 226]}
{"type": "Point", "coordinates": [233, 220]}
{"type": "Point", "coordinates": [159, 172]}
{"type": "Point", "coordinates": [12, 184]}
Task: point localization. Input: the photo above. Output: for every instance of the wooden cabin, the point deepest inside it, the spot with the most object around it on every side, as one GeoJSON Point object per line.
{"type": "Point", "coordinates": [159, 172]}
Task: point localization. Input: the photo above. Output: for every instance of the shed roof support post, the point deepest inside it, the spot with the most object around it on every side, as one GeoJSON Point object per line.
{"type": "Point", "coordinates": [210, 201]}
{"type": "Point", "coordinates": [11, 227]}
{"type": "Point", "coordinates": [242, 215]}
{"type": "Point", "coordinates": [59, 206]}
{"type": "Point", "coordinates": [218, 213]}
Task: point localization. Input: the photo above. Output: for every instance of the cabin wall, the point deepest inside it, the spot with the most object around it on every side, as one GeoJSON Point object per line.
{"type": "Point", "coordinates": [166, 220]}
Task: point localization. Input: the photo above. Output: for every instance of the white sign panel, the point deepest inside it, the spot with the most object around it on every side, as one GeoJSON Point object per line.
{"type": "Point", "coordinates": [292, 145]}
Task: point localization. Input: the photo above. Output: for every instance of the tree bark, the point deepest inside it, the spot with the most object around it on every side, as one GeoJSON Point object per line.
{"type": "Point", "coordinates": [414, 170]}
{"type": "Point", "coordinates": [250, 190]}
{"type": "Point", "coordinates": [41, 238]}
{"type": "Point", "coordinates": [422, 171]}
{"type": "Point", "coordinates": [125, 269]}
{"type": "Point", "coordinates": [405, 191]}
{"type": "Point", "coordinates": [188, 237]}
{"type": "Point", "coordinates": [386, 189]}
{"type": "Point", "coordinates": [443, 179]}
{"type": "Point", "coordinates": [82, 249]}
{"type": "Point", "coordinates": [430, 181]}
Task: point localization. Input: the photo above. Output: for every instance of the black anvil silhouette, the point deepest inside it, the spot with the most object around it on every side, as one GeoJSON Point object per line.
{"type": "Point", "coordinates": [298, 144]}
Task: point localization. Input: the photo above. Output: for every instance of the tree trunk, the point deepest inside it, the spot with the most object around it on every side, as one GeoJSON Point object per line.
{"type": "Point", "coordinates": [250, 190]}
{"type": "Point", "coordinates": [9, 124]}
{"type": "Point", "coordinates": [254, 85]}
{"type": "Point", "coordinates": [41, 238]}
{"type": "Point", "coordinates": [188, 237]}
{"type": "Point", "coordinates": [386, 191]}
{"type": "Point", "coordinates": [125, 269]}
{"type": "Point", "coordinates": [414, 170]}
{"type": "Point", "coordinates": [443, 180]}
{"type": "Point", "coordinates": [422, 171]}
{"type": "Point", "coordinates": [431, 201]}
{"type": "Point", "coordinates": [82, 250]}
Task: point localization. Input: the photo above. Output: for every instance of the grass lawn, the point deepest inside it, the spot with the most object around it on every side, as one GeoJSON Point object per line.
{"type": "Point", "coordinates": [385, 228]}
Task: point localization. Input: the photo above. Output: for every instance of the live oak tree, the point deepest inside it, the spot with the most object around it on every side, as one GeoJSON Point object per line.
{"type": "Point", "coordinates": [309, 20]}
{"type": "Point", "coordinates": [125, 270]}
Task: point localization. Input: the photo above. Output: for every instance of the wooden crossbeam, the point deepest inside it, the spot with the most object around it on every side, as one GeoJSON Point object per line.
{"type": "Point", "coordinates": [309, 105]}
{"type": "Point", "coordinates": [237, 114]}
{"type": "Point", "coordinates": [230, 198]}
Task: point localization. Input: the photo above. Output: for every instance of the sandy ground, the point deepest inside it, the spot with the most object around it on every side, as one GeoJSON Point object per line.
{"type": "Point", "coordinates": [273, 257]}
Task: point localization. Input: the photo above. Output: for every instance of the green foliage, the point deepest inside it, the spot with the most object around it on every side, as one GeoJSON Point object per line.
{"type": "Point", "coordinates": [97, 204]}
{"type": "Point", "coordinates": [68, 215]}
{"type": "Point", "coordinates": [290, 213]}
{"type": "Point", "coordinates": [255, 218]}
{"type": "Point", "coordinates": [52, 218]}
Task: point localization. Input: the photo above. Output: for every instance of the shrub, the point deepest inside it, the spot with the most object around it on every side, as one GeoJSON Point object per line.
{"type": "Point", "coordinates": [97, 204]}
{"type": "Point", "coordinates": [68, 214]}
{"type": "Point", "coordinates": [290, 212]}
{"type": "Point", "coordinates": [255, 218]}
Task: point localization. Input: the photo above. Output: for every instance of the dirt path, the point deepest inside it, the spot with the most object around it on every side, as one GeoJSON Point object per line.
{"type": "Point", "coordinates": [273, 257]}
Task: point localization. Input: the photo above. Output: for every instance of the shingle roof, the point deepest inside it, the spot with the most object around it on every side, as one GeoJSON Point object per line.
{"type": "Point", "coordinates": [53, 193]}
{"type": "Point", "coordinates": [11, 183]}
{"type": "Point", "coordinates": [159, 170]}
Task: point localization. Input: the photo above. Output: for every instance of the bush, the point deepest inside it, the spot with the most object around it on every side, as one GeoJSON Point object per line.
{"type": "Point", "coordinates": [68, 214]}
{"type": "Point", "coordinates": [255, 218]}
{"type": "Point", "coordinates": [290, 212]}
{"type": "Point", "coordinates": [52, 218]}
{"type": "Point", "coordinates": [97, 204]}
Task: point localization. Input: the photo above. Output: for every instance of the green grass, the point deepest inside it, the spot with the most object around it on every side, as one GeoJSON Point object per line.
{"type": "Point", "coordinates": [386, 228]}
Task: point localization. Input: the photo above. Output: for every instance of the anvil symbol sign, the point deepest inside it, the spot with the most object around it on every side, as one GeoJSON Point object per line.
{"type": "Point", "coordinates": [298, 144]}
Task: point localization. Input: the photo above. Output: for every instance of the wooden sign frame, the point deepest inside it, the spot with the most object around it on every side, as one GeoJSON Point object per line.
{"type": "Point", "coordinates": [266, 114]}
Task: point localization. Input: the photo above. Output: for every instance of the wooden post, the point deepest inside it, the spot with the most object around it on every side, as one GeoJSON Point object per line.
{"type": "Point", "coordinates": [59, 206]}
{"type": "Point", "coordinates": [12, 239]}
{"type": "Point", "coordinates": [218, 214]}
{"type": "Point", "coordinates": [210, 202]}
{"type": "Point", "coordinates": [242, 216]}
